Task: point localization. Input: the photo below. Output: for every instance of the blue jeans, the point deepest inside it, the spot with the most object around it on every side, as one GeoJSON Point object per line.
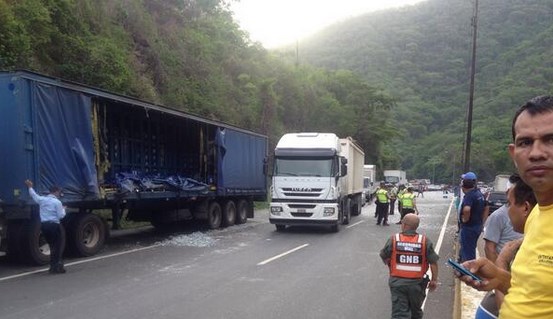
{"type": "Point", "coordinates": [468, 238]}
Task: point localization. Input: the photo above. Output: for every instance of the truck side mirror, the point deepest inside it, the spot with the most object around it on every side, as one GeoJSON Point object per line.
{"type": "Point", "coordinates": [343, 166]}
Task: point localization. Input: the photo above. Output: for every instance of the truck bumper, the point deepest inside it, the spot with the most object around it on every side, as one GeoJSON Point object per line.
{"type": "Point", "coordinates": [304, 213]}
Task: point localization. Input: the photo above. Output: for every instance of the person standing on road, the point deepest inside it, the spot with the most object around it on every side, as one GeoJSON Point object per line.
{"type": "Point", "coordinates": [530, 281]}
{"type": "Point", "coordinates": [471, 217]}
{"type": "Point", "coordinates": [393, 193]}
{"type": "Point", "coordinates": [420, 190]}
{"type": "Point", "coordinates": [498, 231]}
{"type": "Point", "coordinates": [381, 202]}
{"type": "Point", "coordinates": [400, 192]}
{"type": "Point", "coordinates": [51, 212]}
{"type": "Point", "coordinates": [408, 203]}
{"type": "Point", "coordinates": [408, 255]}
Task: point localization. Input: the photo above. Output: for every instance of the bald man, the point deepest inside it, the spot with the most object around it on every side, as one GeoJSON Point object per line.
{"type": "Point", "coordinates": [408, 255]}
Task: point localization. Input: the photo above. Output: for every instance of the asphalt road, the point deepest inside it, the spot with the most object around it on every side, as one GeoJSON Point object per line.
{"type": "Point", "coordinates": [245, 271]}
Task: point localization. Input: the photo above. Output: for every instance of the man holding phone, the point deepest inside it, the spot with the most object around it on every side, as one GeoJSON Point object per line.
{"type": "Point", "coordinates": [408, 255]}
{"type": "Point", "coordinates": [530, 282]}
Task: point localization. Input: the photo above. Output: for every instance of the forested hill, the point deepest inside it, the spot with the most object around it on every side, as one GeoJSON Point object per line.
{"type": "Point", "coordinates": [421, 55]}
{"type": "Point", "coordinates": [396, 80]}
{"type": "Point", "coordinates": [190, 55]}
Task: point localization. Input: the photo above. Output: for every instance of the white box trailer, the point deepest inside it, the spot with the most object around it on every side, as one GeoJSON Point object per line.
{"type": "Point", "coordinates": [355, 156]}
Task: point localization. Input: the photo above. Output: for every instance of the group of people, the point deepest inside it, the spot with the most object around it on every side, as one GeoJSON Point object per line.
{"type": "Point", "coordinates": [517, 271]}
{"type": "Point", "coordinates": [385, 199]}
{"type": "Point", "coordinates": [525, 278]}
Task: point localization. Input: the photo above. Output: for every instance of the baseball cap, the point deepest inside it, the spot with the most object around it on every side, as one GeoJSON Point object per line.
{"type": "Point", "coordinates": [468, 175]}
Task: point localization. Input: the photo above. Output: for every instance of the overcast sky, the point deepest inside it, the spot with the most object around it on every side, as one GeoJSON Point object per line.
{"type": "Point", "coordinates": [279, 22]}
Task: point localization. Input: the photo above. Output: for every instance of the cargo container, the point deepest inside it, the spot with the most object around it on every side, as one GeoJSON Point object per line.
{"type": "Point", "coordinates": [111, 152]}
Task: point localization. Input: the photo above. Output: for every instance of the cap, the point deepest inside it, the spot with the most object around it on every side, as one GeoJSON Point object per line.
{"type": "Point", "coordinates": [468, 175]}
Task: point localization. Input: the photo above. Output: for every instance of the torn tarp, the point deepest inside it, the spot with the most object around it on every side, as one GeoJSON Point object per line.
{"type": "Point", "coordinates": [135, 182]}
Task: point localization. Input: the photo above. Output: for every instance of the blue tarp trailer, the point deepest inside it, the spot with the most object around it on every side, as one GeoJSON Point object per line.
{"type": "Point", "coordinates": [108, 151]}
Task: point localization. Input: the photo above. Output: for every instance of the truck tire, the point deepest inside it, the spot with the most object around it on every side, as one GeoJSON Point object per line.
{"type": "Point", "coordinates": [229, 213]}
{"type": "Point", "coordinates": [335, 228]}
{"type": "Point", "coordinates": [12, 238]}
{"type": "Point", "coordinates": [280, 227]}
{"type": "Point", "coordinates": [86, 234]}
{"type": "Point", "coordinates": [33, 246]}
{"type": "Point", "coordinates": [214, 215]}
{"type": "Point", "coordinates": [357, 206]}
{"type": "Point", "coordinates": [347, 211]}
{"type": "Point", "coordinates": [242, 211]}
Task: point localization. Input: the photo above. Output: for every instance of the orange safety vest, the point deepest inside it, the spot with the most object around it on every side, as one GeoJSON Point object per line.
{"type": "Point", "coordinates": [408, 256]}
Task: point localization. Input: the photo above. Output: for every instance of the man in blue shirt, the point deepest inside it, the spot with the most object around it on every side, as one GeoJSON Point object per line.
{"type": "Point", "coordinates": [51, 213]}
{"type": "Point", "coordinates": [471, 217]}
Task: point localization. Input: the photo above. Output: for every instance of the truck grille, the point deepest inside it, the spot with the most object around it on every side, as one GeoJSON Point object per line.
{"type": "Point", "coordinates": [302, 192]}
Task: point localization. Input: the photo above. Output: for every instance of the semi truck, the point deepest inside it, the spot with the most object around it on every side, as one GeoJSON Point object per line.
{"type": "Point", "coordinates": [395, 177]}
{"type": "Point", "coordinates": [113, 154]}
{"type": "Point", "coordinates": [317, 180]}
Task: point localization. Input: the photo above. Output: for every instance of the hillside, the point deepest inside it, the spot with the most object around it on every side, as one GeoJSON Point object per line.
{"type": "Point", "coordinates": [421, 55]}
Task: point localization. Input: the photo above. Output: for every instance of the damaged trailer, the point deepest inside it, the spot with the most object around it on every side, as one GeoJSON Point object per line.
{"type": "Point", "coordinates": [111, 152]}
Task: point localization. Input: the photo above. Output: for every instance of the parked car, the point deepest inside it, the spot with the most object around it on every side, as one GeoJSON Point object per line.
{"type": "Point", "coordinates": [496, 200]}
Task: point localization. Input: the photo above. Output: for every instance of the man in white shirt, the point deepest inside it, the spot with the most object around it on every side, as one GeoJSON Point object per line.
{"type": "Point", "coordinates": [51, 213]}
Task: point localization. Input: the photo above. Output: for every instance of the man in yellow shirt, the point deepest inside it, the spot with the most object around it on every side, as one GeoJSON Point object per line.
{"type": "Point", "coordinates": [529, 286]}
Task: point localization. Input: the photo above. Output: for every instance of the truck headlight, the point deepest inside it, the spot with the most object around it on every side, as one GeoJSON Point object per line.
{"type": "Point", "coordinates": [276, 210]}
{"type": "Point", "coordinates": [328, 211]}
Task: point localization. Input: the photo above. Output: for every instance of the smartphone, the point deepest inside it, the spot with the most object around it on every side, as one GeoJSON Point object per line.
{"type": "Point", "coordinates": [462, 269]}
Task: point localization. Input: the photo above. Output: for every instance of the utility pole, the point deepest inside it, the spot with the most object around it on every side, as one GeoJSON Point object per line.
{"type": "Point", "coordinates": [466, 153]}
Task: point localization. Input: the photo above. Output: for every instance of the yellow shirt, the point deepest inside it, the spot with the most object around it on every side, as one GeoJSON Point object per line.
{"type": "Point", "coordinates": [531, 292]}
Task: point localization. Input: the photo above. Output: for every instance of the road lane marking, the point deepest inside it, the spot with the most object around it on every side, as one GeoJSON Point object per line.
{"type": "Point", "coordinates": [81, 262]}
{"type": "Point", "coordinates": [359, 222]}
{"type": "Point", "coordinates": [266, 261]}
{"type": "Point", "coordinates": [439, 244]}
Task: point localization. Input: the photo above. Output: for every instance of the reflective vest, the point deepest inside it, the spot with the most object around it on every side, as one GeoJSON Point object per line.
{"type": "Point", "coordinates": [381, 195]}
{"type": "Point", "coordinates": [407, 200]}
{"type": "Point", "coordinates": [408, 256]}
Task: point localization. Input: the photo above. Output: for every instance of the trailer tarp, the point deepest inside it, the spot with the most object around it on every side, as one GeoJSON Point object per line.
{"type": "Point", "coordinates": [66, 157]}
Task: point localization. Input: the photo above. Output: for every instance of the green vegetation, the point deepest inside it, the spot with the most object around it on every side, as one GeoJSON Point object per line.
{"type": "Point", "coordinates": [421, 55]}
{"type": "Point", "coordinates": [396, 81]}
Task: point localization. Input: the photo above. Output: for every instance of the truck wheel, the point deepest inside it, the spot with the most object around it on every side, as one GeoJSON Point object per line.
{"type": "Point", "coordinates": [86, 234]}
{"type": "Point", "coordinates": [214, 215]}
{"type": "Point", "coordinates": [242, 211]}
{"type": "Point", "coordinates": [229, 213]}
{"type": "Point", "coordinates": [33, 246]}
{"type": "Point", "coordinates": [335, 228]}
{"type": "Point", "coordinates": [12, 238]}
{"type": "Point", "coordinates": [347, 211]}
{"type": "Point", "coordinates": [357, 204]}
{"type": "Point", "coordinates": [280, 227]}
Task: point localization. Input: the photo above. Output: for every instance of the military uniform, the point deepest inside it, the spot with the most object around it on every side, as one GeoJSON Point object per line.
{"type": "Point", "coordinates": [410, 254]}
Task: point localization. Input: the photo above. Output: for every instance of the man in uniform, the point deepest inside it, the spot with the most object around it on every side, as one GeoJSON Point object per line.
{"type": "Point", "coordinates": [471, 217]}
{"type": "Point", "coordinates": [392, 194]}
{"type": "Point", "coordinates": [408, 203]}
{"type": "Point", "coordinates": [381, 202]}
{"type": "Point", "coordinates": [408, 255]}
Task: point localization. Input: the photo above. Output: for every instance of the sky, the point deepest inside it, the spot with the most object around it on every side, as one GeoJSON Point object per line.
{"type": "Point", "coordinates": [279, 22]}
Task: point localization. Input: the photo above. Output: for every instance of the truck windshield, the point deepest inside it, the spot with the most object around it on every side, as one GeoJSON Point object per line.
{"type": "Point", "coordinates": [391, 179]}
{"type": "Point", "coordinates": [300, 166]}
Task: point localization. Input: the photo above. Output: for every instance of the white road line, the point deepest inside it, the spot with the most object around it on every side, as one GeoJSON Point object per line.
{"type": "Point", "coordinates": [439, 244]}
{"type": "Point", "coordinates": [80, 262]}
{"type": "Point", "coordinates": [266, 261]}
{"type": "Point", "coordinates": [359, 222]}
